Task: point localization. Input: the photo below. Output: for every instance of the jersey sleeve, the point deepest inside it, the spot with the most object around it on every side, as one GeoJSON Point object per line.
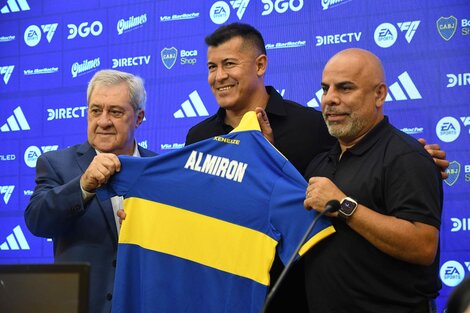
{"type": "Point", "coordinates": [121, 182]}
{"type": "Point", "coordinates": [289, 217]}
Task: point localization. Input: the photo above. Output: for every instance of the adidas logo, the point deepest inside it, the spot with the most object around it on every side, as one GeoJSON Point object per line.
{"type": "Point", "coordinates": [187, 110]}
{"type": "Point", "coordinates": [7, 70]}
{"type": "Point", "coordinates": [6, 191]}
{"type": "Point", "coordinates": [15, 241]}
{"type": "Point", "coordinates": [15, 122]}
{"type": "Point", "coordinates": [316, 100]}
{"type": "Point", "coordinates": [407, 85]}
{"type": "Point", "coordinates": [394, 89]}
{"type": "Point", "coordinates": [15, 6]}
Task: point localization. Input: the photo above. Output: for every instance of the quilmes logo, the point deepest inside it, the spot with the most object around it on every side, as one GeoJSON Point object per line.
{"type": "Point", "coordinates": [169, 56]}
{"type": "Point", "coordinates": [386, 34]}
{"type": "Point", "coordinates": [33, 34]}
{"type": "Point", "coordinates": [460, 224]}
{"type": "Point", "coordinates": [446, 27]}
{"type": "Point", "coordinates": [448, 129]}
{"type": "Point", "coordinates": [15, 240]}
{"type": "Point", "coordinates": [6, 192]}
{"type": "Point", "coordinates": [195, 109]}
{"type": "Point", "coordinates": [83, 30]}
{"type": "Point", "coordinates": [405, 84]}
{"type": "Point", "coordinates": [85, 67]}
{"type": "Point", "coordinates": [453, 171]}
{"type": "Point", "coordinates": [461, 79]}
{"type": "Point", "coordinates": [16, 122]}
{"type": "Point", "coordinates": [15, 6]}
{"type": "Point", "coordinates": [6, 71]}
{"type": "Point", "coordinates": [131, 23]}
{"type": "Point", "coordinates": [452, 273]}
{"type": "Point", "coordinates": [327, 4]}
{"type": "Point", "coordinates": [32, 154]}
{"type": "Point", "coordinates": [281, 6]}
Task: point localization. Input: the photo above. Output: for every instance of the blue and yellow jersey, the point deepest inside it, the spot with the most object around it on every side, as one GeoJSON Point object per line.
{"type": "Point", "coordinates": [204, 223]}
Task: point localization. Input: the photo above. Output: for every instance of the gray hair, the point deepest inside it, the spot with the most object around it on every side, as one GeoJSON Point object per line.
{"type": "Point", "coordinates": [137, 93]}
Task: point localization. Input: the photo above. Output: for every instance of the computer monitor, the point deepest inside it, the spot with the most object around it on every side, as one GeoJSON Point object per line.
{"type": "Point", "coordinates": [44, 288]}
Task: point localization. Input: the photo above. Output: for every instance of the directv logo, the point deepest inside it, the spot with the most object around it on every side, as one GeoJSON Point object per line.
{"type": "Point", "coordinates": [15, 122]}
{"type": "Point", "coordinates": [15, 241]}
{"type": "Point", "coordinates": [187, 109]}
{"type": "Point", "coordinates": [6, 191]}
{"type": "Point", "coordinates": [397, 91]}
{"type": "Point", "coordinates": [15, 6]}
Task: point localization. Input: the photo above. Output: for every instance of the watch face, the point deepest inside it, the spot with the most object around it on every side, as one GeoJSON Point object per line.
{"type": "Point", "coordinates": [348, 206]}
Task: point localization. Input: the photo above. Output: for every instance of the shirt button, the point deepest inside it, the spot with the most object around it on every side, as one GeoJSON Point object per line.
{"type": "Point", "coordinates": [109, 296]}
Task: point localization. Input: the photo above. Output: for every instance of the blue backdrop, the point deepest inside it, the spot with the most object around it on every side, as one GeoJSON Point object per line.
{"type": "Point", "coordinates": [49, 50]}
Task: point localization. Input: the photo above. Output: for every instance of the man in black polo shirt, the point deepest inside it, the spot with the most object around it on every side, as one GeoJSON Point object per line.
{"type": "Point", "coordinates": [384, 256]}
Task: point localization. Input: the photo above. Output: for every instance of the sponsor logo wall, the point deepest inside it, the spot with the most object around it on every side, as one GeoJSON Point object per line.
{"type": "Point", "coordinates": [49, 51]}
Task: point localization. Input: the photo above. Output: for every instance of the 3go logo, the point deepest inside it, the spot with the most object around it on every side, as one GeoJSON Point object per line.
{"type": "Point", "coordinates": [96, 28]}
{"type": "Point", "coordinates": [281, 6]}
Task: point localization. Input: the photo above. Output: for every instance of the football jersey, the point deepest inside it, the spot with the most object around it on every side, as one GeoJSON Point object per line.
{"type": "Point", "coordinates": [203, 224]}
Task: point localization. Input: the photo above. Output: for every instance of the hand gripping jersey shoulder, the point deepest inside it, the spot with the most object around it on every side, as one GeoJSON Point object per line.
{"type": "Point", "coordinates": [204, 223]}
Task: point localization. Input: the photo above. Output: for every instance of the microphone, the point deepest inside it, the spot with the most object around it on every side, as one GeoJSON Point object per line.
{"type": "Point", "coordinates": [331, 206]}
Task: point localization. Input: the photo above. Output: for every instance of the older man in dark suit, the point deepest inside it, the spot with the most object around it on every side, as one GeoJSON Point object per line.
{"type": "Point", "coordinates": [64, 206]}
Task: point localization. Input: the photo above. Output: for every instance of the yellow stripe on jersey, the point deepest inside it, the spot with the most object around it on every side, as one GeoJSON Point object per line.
{"type": "Point", "coordinates": [206, 240]}
{"type": "Point", "coordinates": [317, 238]}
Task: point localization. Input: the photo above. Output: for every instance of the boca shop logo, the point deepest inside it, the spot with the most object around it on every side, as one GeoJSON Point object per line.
{"type": "Point", "coordinates": [446, 26]}
{"type": "Point", "coordinates": [169, 56]}
{"type": "Point", "coordinates": [454, 171]}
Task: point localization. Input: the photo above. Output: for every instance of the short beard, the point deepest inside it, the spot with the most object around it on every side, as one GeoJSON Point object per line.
{"type": "Point", "coordinates": [348, 129]}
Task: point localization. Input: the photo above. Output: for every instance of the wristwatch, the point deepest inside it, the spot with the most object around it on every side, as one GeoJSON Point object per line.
{"type": "Point", "coordinates": [347, 209]}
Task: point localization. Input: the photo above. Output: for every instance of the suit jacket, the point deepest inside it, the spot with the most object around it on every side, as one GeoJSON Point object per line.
{"type": "Point", "coordinates": [81, 232]}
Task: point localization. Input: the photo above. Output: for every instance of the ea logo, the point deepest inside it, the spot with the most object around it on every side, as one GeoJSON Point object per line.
{"type": "Point", "coordinates": [31, 156]}
{"type": "Point", "coordinates": [385, 35]}
{"type": "Point", "coordinates": [220, 12]}
{"type": "Point", "coordinates": [448, 129]}
{"type": "Point", "coordinates": [452, 273]}
{"type": "Point", "coordinates": [32, 35]}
